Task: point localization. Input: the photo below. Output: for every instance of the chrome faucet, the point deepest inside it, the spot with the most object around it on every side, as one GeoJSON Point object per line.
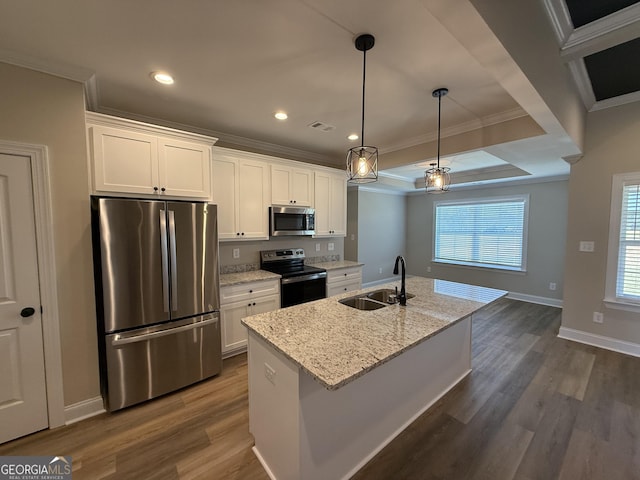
{"type": "Point", "coordinates": [402, 297]}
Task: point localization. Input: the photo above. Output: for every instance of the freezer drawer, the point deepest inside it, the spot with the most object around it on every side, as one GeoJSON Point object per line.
{"type": "Point", "coordinates": [148, 362]}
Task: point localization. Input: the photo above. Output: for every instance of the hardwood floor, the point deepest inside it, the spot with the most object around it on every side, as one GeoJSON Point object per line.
{"type": "Point", "coordinates": [534, 407]}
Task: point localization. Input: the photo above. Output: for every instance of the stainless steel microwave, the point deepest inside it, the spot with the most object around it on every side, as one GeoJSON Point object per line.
{"type": "Point", "coordinates": [291, 221]}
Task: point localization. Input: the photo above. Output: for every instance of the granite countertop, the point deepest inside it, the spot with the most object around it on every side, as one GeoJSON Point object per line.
{"type": "Point", "coordinates": [227, 279]}
{"type": "Point", "coordinates": [336, 264]}
{"type": "Point", "coordinates": [336, 344]}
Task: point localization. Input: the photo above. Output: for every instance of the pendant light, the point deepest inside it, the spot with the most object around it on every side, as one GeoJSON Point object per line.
{"type": "Point", "coordinates": [437, 178]}
{"type": "Point", "coordinates": [362, 161]}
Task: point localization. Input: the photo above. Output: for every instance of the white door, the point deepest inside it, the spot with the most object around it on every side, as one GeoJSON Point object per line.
{"type": "Point", "coordinates": [23, 396]}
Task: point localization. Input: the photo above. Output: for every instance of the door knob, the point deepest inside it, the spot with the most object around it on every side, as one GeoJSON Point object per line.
{"type": "Point", "coordinates": [27, 312]}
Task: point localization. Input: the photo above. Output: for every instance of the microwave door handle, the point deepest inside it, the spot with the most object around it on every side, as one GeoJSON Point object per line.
{"type": "Point", "coordinates": [164, 259]}
{"type": "Point", "coordinates": [174, 270]}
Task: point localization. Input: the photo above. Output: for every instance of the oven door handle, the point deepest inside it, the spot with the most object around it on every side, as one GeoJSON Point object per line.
{"type": "Point", "coordinates": [304, 278]}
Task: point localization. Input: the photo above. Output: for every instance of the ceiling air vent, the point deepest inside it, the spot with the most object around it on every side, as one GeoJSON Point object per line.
{"type": "Point", "coordinates": [323, 127]}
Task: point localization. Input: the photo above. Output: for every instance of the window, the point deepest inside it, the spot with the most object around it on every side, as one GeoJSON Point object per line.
{"type": "Point", "coordinates": [623, 261]}
{"type": "Point", "coordinates": [489, 233]}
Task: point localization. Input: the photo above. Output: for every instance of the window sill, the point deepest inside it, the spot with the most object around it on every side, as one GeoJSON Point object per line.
{"type": "Point", "coordinates": [481, 268]}
{"type": "Point", "coordinates": [621, 305]}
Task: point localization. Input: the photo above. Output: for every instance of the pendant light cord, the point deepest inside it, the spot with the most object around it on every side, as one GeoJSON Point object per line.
{"type": "Point", "coordinates": [364, 76]}
{"type": "Point", "coordinates": [439, 107]}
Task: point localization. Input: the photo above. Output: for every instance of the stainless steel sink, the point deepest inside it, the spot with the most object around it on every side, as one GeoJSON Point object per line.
{"type": "Point", "coordinates": [386, 295]}
{"type": "Point", "coordinates": [362, 303]}
{"type": "Point", "coordinates": [373, 300]}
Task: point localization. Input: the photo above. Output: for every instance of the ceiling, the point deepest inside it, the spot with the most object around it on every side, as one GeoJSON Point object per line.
{"type": "Point", "coordinates": [236, 63]}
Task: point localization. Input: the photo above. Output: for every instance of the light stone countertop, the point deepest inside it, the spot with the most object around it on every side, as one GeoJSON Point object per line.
{"type": "Point", "coordinates": [227, 279]}
{"type": "Point", "coordinates": [336, 264]}
{"type": "Point", "coordinates": [336, 344]}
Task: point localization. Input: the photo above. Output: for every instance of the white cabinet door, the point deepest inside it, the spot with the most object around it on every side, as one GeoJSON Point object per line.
{"type": "Point", "coordinates": [124, 161]}
{"type": "Point", "coordinates": [265, 304]}
{"type": "Point", "coordinates": [291, 186]}
{"type": "Point", "coordinates": [223, 193]}
{"type": "Point", "coordinates": [338, 205]}
{"type": "Point", "coordinates": [184, 168]}
{"type": "Point", "coordinates": [330, 204]}
{"type": "Point", "coordinates": [234, 334]}
{"type": "Point", "coordinates": [253, 200]}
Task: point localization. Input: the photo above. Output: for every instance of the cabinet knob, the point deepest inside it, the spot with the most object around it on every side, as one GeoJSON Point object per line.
{"type": "Point", "coordinates": [237, 233]}
{"type": "Point", "coordinates": [250, 291]}
{"type": "Point", "coordinates": [155, 189]}
{"type": "Point", "coordinates": [163, 189]}
{"type": "Point", "coordinates": [242, 233]}
{"type": "Point", "coordinates": [248, 304]}
{"type": "Point", "coordinates": [254, 304]}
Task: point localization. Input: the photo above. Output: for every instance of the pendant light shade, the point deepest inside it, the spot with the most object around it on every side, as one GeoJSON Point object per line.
{"type": "Point", "coordinates": [362, 161]}
{"type": "Point", "coordinates": [437, 178]}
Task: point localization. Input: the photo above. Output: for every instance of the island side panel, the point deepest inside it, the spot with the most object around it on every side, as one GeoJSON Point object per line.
{"type": "Point", "coordinates": [273, 409]}
{"type": "Point", "coordinates": [342, 429]}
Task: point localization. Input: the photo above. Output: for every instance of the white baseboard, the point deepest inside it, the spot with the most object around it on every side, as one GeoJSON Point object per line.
{"type": "Point", "coordinates": [607, 343]}
{"type": "Point", "coordinates": [84, 409]}
{"type": "Point", "coordinates": [550, 302]}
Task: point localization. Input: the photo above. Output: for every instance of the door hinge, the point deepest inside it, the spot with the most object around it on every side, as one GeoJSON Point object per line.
{"type": "Point", "coordinates": [41, 310]}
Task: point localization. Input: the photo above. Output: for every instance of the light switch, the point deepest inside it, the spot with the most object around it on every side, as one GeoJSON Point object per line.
{"type": "Point", "coordinates": [587, 246]}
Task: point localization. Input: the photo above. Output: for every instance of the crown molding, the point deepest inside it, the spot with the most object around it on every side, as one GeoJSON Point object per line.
{"type": "Point", "coordinates": [560, 19]}
{"type": "Point", "coordinates": [58, 69]}
{"type": "Point", "coordinates": [616, 101]}
{"type": "Point", "coordinates": [583, 83]}
{"type": "Point", "coordinates": [614, 29]}
{"type": "Point", "coordinates": [230, 140]}
{"type": "Point", "coordinates": [469, 126]}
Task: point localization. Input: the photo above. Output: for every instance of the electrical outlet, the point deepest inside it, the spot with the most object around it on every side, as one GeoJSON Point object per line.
{"type": "Point", "coordinates": [552, 286]}
{"type": "Point", "coordinates": [236, 253]}
{"type": "Point", "coordinates": [353, 236]}
{"type": "Point", "coordinates": [317, 247]}
{"type": "Point", "coordinates": [380, 270]}
{"type": "Point", "coordinates": [330, 246]}
{"type": "Point", "coordinates": [428, 269]}
{"type": "Point", "coordinates": [598, 317]}
{"type": "Point", "coordinates": [270, 373]}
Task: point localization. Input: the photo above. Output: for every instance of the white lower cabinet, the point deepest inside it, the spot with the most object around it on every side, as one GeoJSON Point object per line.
{"type": "Point", "coordinates": [343, 280]}
{"type": "Point", "coordinates": [239, 301]}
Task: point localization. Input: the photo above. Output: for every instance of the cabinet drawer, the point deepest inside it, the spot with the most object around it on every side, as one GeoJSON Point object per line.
{"type": "Point", "coordinates": [342, 287]}
{"type": "Point", "coordinates": [344, 275]}
{"type": "Point", "coordinates": [246, 291]}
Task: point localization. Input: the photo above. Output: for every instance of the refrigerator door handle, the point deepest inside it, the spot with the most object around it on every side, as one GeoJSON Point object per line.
{"type": "Point", "coordinates": [174, 270]}
{"type": "Point", "coordinates": [123, 339]}
{"type": "Point", "coordinates": [165, 259]}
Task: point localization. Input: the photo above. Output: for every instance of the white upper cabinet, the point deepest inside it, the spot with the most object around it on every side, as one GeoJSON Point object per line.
{"type": "Point", "coordinates": [330, 204]}
{"type": "Point", "coordinates": [291, 186]}
{"type": "Point", "coordinates": [240, 188]}
{"type": "Point", "coordinates": [138, 158]}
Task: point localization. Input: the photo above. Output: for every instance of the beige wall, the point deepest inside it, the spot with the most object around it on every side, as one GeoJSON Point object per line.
{"type": "Point", "coordinates": [45, 110]}
{"type": "Point", "coordinates": [612, 146]}
{"type": "Point", "coordinates": [545, 243]}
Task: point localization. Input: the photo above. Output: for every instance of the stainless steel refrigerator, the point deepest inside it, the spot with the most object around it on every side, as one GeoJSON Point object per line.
{"type": "Point", "coordinates": [157, 296]}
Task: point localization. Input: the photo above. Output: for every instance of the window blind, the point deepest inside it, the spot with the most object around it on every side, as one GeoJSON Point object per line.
{"type": "Point", "coordinates": [628, 274]}
{"type": "Point", "coordinates": [484, 233]}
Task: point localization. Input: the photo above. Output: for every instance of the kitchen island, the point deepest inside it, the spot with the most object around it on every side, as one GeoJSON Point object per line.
{"type": "Point", "coordinates": [330, 385]}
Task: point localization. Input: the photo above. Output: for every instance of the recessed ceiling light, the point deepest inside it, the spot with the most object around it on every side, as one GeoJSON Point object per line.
{"type": "Point", "coordinates": [353, 136]}
{"type": "Point", "coordinates": [281, 115]}
{"type": "Point", "coordinates": [162, 77]}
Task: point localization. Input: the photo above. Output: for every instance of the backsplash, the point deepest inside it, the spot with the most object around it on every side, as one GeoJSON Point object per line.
{"type": "Point", "coordinates": [237, 257]}
{"type": "Point", "coordinates": [250, 267]}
